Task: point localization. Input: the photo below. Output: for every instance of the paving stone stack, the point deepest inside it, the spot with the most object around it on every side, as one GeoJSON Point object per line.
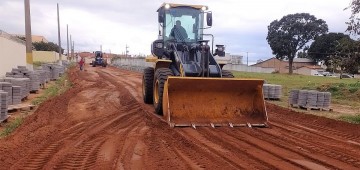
{"type": "Point", "coordinates": [6, 87]}
{"type": "Point", "coordinates": [24, 83]}
{"type": "Point", "coordinates": [54, 70]}
{"type": "Point", "coordinates": [278, 90]}
{"type": "Point", "coordinates": [59, 70]}
{"type": "Point", "coordinates": [47, 69]}
{"type": "Point", "coordinates": [34, 81]}
{"type": "Point", "coordinates": [272, 91]}
{"type": "Point", "coordinates": [302, 99]}
{"type": "Point", "coordinates": [266, 91]}
{"type": "Point", "coordinates": [327, 100]}
{"type": "Point", "coordinates": [42, 76]}
{"type": "Point", "coordinates": [16, 95]}
{"type": "Point", "coordinates": [294, 97]}
{"type": "Point", "coordinates": [3, 105]}
{"type": "Point", "coordinates": [312, 98]}
{"type": "Point", "coordinates": [320, 99]}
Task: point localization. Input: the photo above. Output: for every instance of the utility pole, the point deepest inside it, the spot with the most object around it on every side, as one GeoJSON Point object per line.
{"type": "Point", "coordinates": [247, 58]}
{"type": "Point", "coordinates": [126, 50]}
{"type": "Point", "coordinates": [67, 39]}
{"type": "Point", "coordinates": [29, 56]}
{"type": "Point", "coordinates": [72, 49]}
{"type": "Point", "coordinates": [59, 38]}
{"type": "Point", "coordinates": [70, 46]}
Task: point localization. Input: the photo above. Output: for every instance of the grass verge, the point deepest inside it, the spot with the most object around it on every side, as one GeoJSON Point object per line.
{"type": "Point", "coordinates": [59, 87]}
{"type": "Point", "coordinates": [11, 126]}
{"type": "Point", "coordinates": [352, 119]}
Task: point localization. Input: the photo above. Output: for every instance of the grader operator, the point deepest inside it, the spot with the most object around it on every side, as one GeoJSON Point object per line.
{"type": "Point", "coordinates": [187, 86]}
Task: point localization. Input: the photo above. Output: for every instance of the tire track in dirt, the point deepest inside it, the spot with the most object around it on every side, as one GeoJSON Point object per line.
{"type": "Point", "coordinates": [315, 123]}
{"type": "Point", "coordinates": [41, 157]}
{"type": "Point", "coordinates": [295, 145]}
{"type": "Point", "coordinates": [320, 130]}
{"type": "Point", "coordinates": [323, 139]}
{"type": "Point", "coordinates": [107, 123]}
{"type": "Point", "coordinates": [258, 150]}
{"type": "Point", "coordinates": [109, 127]}
{"type": "Point", "coordinates": [83, 156]}
{"type": "Point", "coordinates": [323, 146]}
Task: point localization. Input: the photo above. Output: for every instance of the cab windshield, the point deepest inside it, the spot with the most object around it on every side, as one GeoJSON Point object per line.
{"type": "Point", "coordinates": [183, 24]}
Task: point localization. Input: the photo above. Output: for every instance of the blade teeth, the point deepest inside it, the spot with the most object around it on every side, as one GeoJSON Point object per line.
{"type": "Point", "coordinates": [249, 125]}
{"type": "Point", "coordinates": [231, 125]}
{"type": "Point", "coordinates": [193, 125]}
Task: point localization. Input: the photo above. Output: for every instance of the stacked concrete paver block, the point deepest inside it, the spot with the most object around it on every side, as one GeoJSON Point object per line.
{"type": "Point", "coordinates": [16, 95]}
{"type": "Point", "coordinates": [6, 87]}
{"type": "Point", "coordinates": [3, 105]}
{"type": "Point", "coordinates": [310, 99]}
{"type": "Point", "coordinates": [34, 81]}
{"type": "Point", "coordinates": [272, 91]}
{"type": "Point", "coordinates": [302, 99]}
{"type": "Point", "coordinates": [294, 97]}
{"type": "Point", "coordinates": [24, 83]}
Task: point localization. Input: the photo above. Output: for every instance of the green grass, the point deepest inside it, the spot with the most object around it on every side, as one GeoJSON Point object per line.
{"type": "Point", "coordinates": [344, 91]}
{"type": "Point", "coordinates": [352, 119]}
{"type": "Point", "coordinates": [59, 87]}
{"type": "Point", "coordinates": [10, 127]}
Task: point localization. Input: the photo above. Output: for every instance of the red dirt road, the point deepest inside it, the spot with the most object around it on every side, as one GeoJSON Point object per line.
{"type": "Point", "coordinates": [102, 123]}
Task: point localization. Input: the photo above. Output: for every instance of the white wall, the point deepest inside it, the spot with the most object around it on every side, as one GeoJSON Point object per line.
{"type": "Point", "coordinates": [245, 68]}
{"type": "Point", "coordinates": [140, 62]}
{"type": "Point", "coordinates": [12, 53]}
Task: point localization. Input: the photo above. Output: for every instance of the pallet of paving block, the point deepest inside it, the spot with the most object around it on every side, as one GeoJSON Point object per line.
{"type": "Point", "coordinates": [17, 107]}
{"type": "Point", "coordinates": [34, 91]}
{"type": "Point", "coordinates": [310, 108]}
{"type": "Point", "coordinates": [4, 119]}
{"type": "Point", "coordinates": [272, 99]}
{"type": "Point", "coordinates": [294, 105]}
{"type": "Point", "coordinates": [326, 109]}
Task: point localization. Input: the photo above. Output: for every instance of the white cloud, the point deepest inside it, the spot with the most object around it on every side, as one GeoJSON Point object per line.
{"type": "Point", "coordinates": [240, 25]}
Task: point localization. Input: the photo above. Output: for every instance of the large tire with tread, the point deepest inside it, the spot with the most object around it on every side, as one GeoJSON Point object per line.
{"type": "Point", "coordinates": [227, 74]}
{"type": "Point", "coordinates": [161, 76]}
{"type": "Point", "coordinates": [147, 85]}
{"type": "Point", "coordinates": [93, 64]}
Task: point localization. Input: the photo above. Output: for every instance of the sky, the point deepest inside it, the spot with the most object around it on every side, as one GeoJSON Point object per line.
{"type": "Point", "coordinates": [241, 25]}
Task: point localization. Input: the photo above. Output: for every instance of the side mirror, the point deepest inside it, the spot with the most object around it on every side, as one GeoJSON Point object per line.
{"type": "Point", "coordinates": [209, 19]}
{"type": "Point", "coordinates": [161, 16]}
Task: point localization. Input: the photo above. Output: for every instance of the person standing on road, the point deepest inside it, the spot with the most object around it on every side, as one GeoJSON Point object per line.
{"type": "Point", "coordinates": [82, 63]}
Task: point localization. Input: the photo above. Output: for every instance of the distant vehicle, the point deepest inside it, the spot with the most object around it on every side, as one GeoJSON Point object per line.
{"type": "Point", "coordinates": [327, 74]}
{"type": "Point", "coordinates": [347, 76]}
{"type": "Point", "coordinates": [99, 60]}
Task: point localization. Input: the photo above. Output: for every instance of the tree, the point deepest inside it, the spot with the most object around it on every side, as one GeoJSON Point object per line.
{"type": "Point", "coordinates": [324, 47]}
{"type": "Point", "coordinates": [49, 46]}
{"type": "Point", "coordinates": [354, 21]}
{"type": "Point", "coordinates": [289, 35]}
{"type": "Point", "coordinates": [347, 55]}
{"type": "Point", "coordinates": [302, 54]}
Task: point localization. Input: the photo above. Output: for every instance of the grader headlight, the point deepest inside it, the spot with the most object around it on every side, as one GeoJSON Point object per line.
{"type": "Point", "coordinates": [167, 6]}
